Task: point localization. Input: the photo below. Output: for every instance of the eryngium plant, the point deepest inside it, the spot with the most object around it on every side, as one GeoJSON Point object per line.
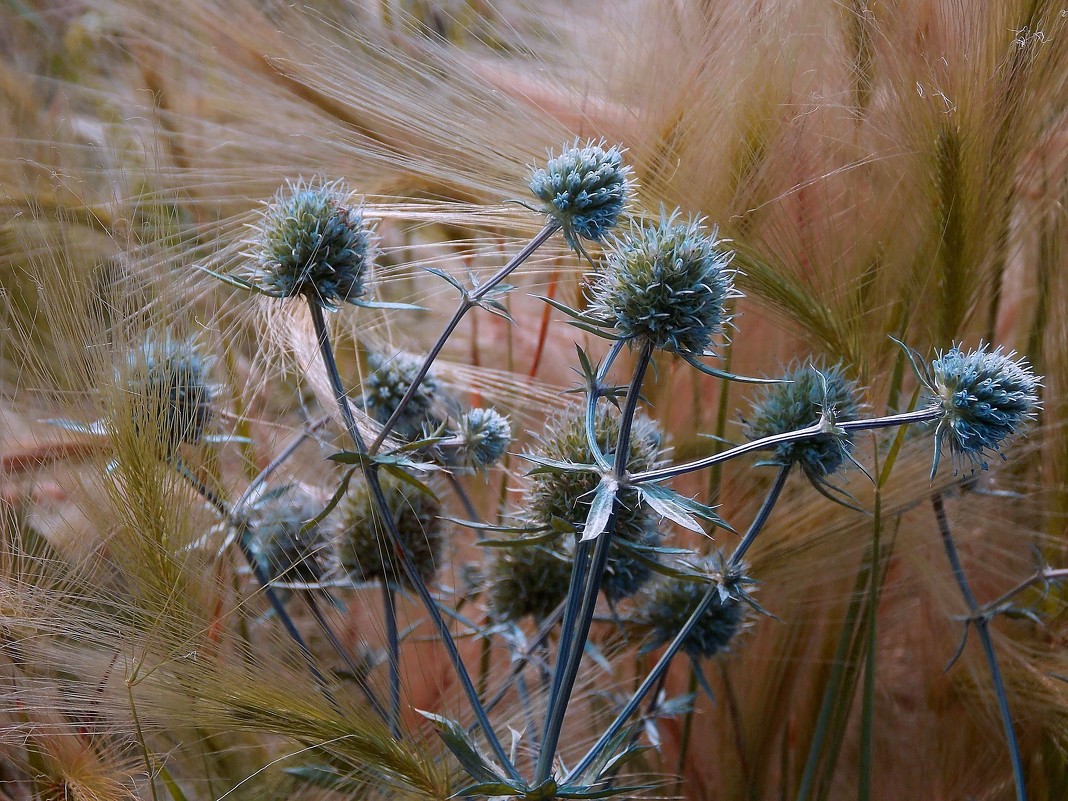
{"type": "Point", "coordinates": [288, 546]}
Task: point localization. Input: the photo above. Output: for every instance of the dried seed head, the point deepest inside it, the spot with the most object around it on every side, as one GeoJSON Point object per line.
{"type": "Point", "coordinates": [665, 285]}
{"type": "Point", "coordinates": [986, 396]}
{"type": "Point", "coordinates": [169, 393]}
{"type": "Point", "coordinates": [311, 242]}
{"type": "Point", "coordinates": [364, 548]}
{"type": "Point", "coordinates": [584, 189]}
{"type": "Point", "coordinates": [389, 379]}
{"type": "Point", "coordinates": [284, 550]}
{"type": "Point", "coordinates": [786, 407]}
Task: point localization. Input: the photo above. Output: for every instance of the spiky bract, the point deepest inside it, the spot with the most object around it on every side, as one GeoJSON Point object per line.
{"type": "Point", "coordinates": [529, 580]}
{"type": "Point", "coordinates": [284, 549]}
{"type": "Point", "coordinates": [363, 546]}
{"type": "Point", "coordinates": [985, 396]}
{"type": "Point", "coordinates": [485, 435]}
{"type": "Point", "coordinates": [665, 285]}
{"type": "Point", "coordinates": [584, 189]}
{"type": "Point", "coordinates": [169, 393]}
{"type": "Point", "coordinates": [389, 379]}
{"type": "Point", "coordinates": [311, 242]}
{"type": "Point", "coordinates": [673, 603]}
{"type": "Point", "coordinates": [797, 403]}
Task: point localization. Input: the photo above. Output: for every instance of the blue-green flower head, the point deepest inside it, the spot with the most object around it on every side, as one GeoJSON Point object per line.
{"type": "Point", "coordinates": [584, 189]}
{"type": "Point", "coordinates": [169, 392]}
{"type": "Point", "coordinates": [390, 377]}
{"type": "Point", "coordinates": [529, 580]}
{"type": "Point", "coordinates": [485, 435]}
{"type": "Point", "coordinates": [311, 242]}
{"type": "Point", "coordinates": [284, 550]}
{"type": "Point", "coordinates": [666, 285]}
{"type": "Point", "coordinates": [986, 396]}
{"type": "Point", "coordinates": [786, 407]}
{"type": "Point", "coordinates": [364, 548]}
{"type": "Point", "coordinates": [673, 603]}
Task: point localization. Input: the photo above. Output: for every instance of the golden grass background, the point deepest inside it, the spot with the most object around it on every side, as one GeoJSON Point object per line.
{"type": "Point", "coordinates": [883, 168]}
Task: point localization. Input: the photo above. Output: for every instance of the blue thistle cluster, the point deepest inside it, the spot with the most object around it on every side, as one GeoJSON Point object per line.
{"type": "Point", "coordinates": [584, 189]}
{"type": "Point", "coordinates": [312, 243]}
{"type": "Point", "coordinates": [363, 547]}
{"type": "Point", "coordinates": [389, 379]}
{"type": "Point", "coordinates": [665, 286]}
{"type": "Point", "coordinates": [786, 407]}
{"type": "Point", "coordinates": [985, 397]}
{"type": "Point", "coordinates": [169, 392]}
{"type": "Point", "coordinates": [673, 603]}
{"type": "Point", "coordinates": [284, 550]}
{"type": "Point", "coordinates": [529, 580]}
{"type": "Point", "coordinates": [485, 435]}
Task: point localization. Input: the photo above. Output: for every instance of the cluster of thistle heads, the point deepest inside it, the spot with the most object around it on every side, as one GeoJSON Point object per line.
{"type": "Point", "coordinates": [661, 285]}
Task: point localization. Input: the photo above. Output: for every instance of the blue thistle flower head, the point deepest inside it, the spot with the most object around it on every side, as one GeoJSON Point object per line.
{"type": "Point", "coordinates": [666, 285]}
{"type": "Point", "coordinates": [312, 243]}
{"type": "Point", "coordinates": [169, 392]}
{"type": "Point", "coordinates": [786, 407]}
{"type": "Point", "coordinates": [389, 379]}
{"type": "Point", "coordinates": [985, 396]}
{"type": "Point", "coordinates": [485, 435]}
{"type": "Point", "coordinates": [284, 550]}
{"type": "Point", "coordinates": [529, 580]}
{"type": "Point", "coordinates": [584, 189]}
{"type": "Point", "coordinates": [674, 601]}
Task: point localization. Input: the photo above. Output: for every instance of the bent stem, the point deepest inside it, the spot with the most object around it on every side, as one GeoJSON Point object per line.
{"type": "Point", "coordinates": [660, 669]}
{"type": "Point", "coordinates": [586, 577]}
{"type": "Point", "coordinates": [370, 473]}
{"type": "Point", "coordinates": [467, 302]}
{"type": "Point", "coordinates": [982, 628]}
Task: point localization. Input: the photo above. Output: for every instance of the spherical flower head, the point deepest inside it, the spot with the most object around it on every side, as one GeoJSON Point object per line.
{"type": "Point", "coordinates": [625, 574]}
{"type": "Point", "coordinates": [985, 396]}
{"type": "Point", "coordinates": [566, 496]}
{"type": "Point", "coordinates": [584, 189]}
{"type": "Point", "coordinates": [786, 407]}
{"type": "Point", "coordinates": [169, 392]}
{"type": "Point", "coordinates": [311, 242]}
{"type": "Point", "coordinates": [529, 580]}
{"type": "Point", "coordinates": [389, 379]}
{"type": "Point", "coordinates": [485, 435]}
{"type": "Point", "coordinates": [666, 285]}
{"type": "Point", "coordinates": [363, 546]}
{"type": "Point", "coordinates": [674, 602]}
{"type": "Point", "coordinates": [284, 550]}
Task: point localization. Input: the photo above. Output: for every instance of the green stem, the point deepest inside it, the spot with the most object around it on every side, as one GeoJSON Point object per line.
{"type": "Point", "coordinates": [468, 302]}
{"type": "Point", "coordinates": [370, 473]}
{"type": "Point", "coordinates": [982, 628]}
{"type": "Point", "coordinates": [584, 597]}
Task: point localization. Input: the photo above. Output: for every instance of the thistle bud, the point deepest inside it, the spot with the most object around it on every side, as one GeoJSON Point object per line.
{"type": "Point", "coordinates": [389, 379]}
{"type": "Point", "coordinates": [673, 603]}
{"type": "Point", "coordinates": [284, 550]}
{"type": "Point", "coordinates": [485, 435]}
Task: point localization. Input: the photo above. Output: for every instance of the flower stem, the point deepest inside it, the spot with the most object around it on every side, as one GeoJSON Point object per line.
{"type": "Point", "coordinates": [766, 443]}
{"type": "Point", "coordinates": [370, 472]}
{"type": "Point", "coordinates": [389, 611]}
{"type": "Point", "coordinates": [582, 597]}
{"type": "Point", "coordinates": [982, 628]}
{"type": "Point", "coordinates": [468, 302]}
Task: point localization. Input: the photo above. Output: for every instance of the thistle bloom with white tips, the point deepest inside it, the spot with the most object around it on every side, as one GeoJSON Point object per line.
{"type": "Point", "coordinates": [311, 242]}
{"type": "Point", "coordinates": [985, 397]}
{"type": "Point", "coordinates": [584, 189]}
{"type": "Point", "coordinates": [666, 286]}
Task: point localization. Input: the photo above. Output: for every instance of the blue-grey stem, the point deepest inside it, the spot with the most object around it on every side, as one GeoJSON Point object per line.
{"type": "Point", "coordinates": [573, 645]}
{"type": "Point", "coordinates": [660, 669]}
{"type": "Point", "coordinates": [591, 404]}
{"type": "Point", "coordinates": [389, 612]}
{"type": "Point", "coordinates": [370, 473]}
{"type": "Point", "coordinates": [982, 628]}
{"type": "Point", "coordinates": [766, 443]}
{"type": "Point", "coordinates": [468, 302]}
{"type": "Point", "coordinates": [244, 535]}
